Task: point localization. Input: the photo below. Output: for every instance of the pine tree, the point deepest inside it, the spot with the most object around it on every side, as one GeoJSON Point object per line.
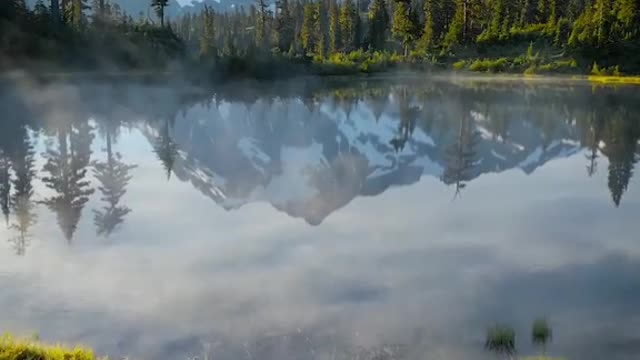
{"type": "Point", "coordinates": [601, 21]}
{"type": "Point", "coordinates": [402, 28]}
{"type": "Point", "coordinates": [457, 29]}
{"type": "Point", "coordinates": [461, 155]}
{"type": "Point", "coordinates": [620, 149]}
{"type": "Point", "coordinates": [429, 32]}
{"type": "Point", "coordinates": [543, 11]}
{"type": "Point", "coordinates": [348, 16]}
{"type": "Point", "coordinates": [159, 6]}
{"type": "Point", "coordinates": [627, 18]}
{"type": "Point", "coordinates": [113, 175]}
{"type": "Point", "coordinates": [54, 5]}
{"type": "Point", "coordinates": [207, 39]}
{"type": "Point", "coordinates": [74, 11]}
{"type": "Point", "coordinates": [67, 171]}
{"type": "Point", "coordinates": [21, 203]}
{"type": "Point", "coordinates": [261, 26]}
{"type": "Point", "coordinates": [497, 18]}
{"type": "Point", "coordinates": [166, 149]}
{"type": "Point", "coordinates": [285, 27]}
{"type": "Point", "coordinates": [5, 184]}
{"type": "Point", "coordinates": [335, 41]}
{"type": "Point", "coordinates": [378, 24]}
{"type": "Point", "coordinates": [307, 35]}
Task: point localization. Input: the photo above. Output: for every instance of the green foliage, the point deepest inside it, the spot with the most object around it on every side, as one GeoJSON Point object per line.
{"type": "Point", "coordinates": [15, 349]}
{"type": "Point", "coordinates": [530, 54]}
{"type": "Point", "coordinates": [378, 24]}
{"type": "Point", "coordinates": [335, 40]}
{"type": "Point", "coordinates": [402, 27]}
{"type": "Point", "coordinates": [531, 70]}
{"type": "Point", "coordinates": [284, 25]}
{"type": "Point", "coordinates": [355, 62]}
{"type": "Point", "coordinates": [158, 6]}
{"type": "Point", "coordinates": [541, 332]}
{"type": "Point", "coordinates": [602, 31]}
{"type": "Point", "coordinates": [595, 70]}
{"type": "Point", "coordinates": [347, 20]}
{"type": "Point", "coordinates": [602, 71]}
{"type": "Point", "coordinates": [459, 65]}
{"type": "Point", "coordinates": [457, 28]}
{"type": "Point", "coordinates": [556, 67]}
{"type": "Point", "coordinates": [310, 25]}
{"type": "Point", "coordinates": [486, 65]}
{"type": "Point", "coordinates": [501, 339]}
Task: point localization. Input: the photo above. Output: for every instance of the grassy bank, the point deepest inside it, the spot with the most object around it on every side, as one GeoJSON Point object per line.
{"type": "Point", "coordinates": [21, 349]}
{"type": "Point", "coordinates": [615, 79]}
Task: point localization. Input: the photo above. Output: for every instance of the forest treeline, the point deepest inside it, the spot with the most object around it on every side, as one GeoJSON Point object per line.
{"type": "Point", "coordinates": [331, 36]}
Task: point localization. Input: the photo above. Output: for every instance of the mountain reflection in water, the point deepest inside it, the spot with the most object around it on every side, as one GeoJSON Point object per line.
{"type": "Point", "coordinates": [110, 169]}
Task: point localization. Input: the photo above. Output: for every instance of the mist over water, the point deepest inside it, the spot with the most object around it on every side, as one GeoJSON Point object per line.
{"type": "Point", "coordinates": [358, 218]}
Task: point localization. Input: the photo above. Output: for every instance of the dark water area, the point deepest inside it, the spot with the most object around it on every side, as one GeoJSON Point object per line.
{"type": "Point", "coordinates": [350, 219]}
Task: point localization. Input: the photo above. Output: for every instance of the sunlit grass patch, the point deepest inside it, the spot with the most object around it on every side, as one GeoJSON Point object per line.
{"type": "Point", "coordinates": [615, 79]}
{"type": "Point", "coordinates": [22, 349]}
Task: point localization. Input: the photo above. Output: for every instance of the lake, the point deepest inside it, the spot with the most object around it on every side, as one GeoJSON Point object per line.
{"type": "Point", "coordinates": [368, 218]}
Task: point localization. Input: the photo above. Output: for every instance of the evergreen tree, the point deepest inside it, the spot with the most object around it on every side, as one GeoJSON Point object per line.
{"type": "Point", "coordinates": [457, 29]}
{"type": "Point", "coordinates": [207, 39]}
{"type": "Point", "coordinates": [113, 175]}
{"type": "Point", "coordinates": [620, 149]}
{"type": "Point", "coordinates": [335, 41]}
{"type": "Point", "coordinates": [402, 27]}
{"type": "Point", "coordinates": [76, 13]}
{"type": "Point", "coordinates": [5, 184]}
{"type": "Point", "coordinates": [497, 17]}
{"type": "Point", "coordinates": [602, 20]}
{"type": "Point", "coordinates": [319, 30]}
{"type": "Point", "coordinates": [461, 155]}
{"type": "Point", "coordinates": [309, 24]}
{"type": "Point", "coordinates": [543, 11]}
{"type": "Point", "coordinates": [22, 205]}
{"type": "Point", "coordinates": [261, 27]}
{"type": "Point", "coordinates": [408, 116]}
{"type": "Point", "coordinates": [54, 5]}
{"type": "Point", "coordinates": [348, 16]}
{"type": "Point", "coordinates": [166, 149]}
{"type": "Point", "coordinates": [429, 31]}
{"type": "Point", "coordinates": [159, 6]}
{"type": "Point", "coordinates": [285, 27]}
{"type": "Point", "coordinates": [378, 24]}
{"type": "Point", "coordinates": [596, 125]}
{"type": "Point", "coordinates": [627, 18]}
{"type": "Point", "coordinates": [67, 169]}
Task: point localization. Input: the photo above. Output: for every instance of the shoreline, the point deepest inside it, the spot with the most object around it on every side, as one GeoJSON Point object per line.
{"type": "Point", "coordinates": [180, 78]}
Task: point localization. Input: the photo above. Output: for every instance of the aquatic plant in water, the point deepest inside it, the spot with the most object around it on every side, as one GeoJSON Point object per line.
{"type": "Point", "coordinates": [501, 340]}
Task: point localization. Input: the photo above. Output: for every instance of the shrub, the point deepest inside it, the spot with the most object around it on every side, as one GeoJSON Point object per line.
{"type": "Point", "coordinates": [487, 65]}
{"type": "Point", "coordinates": [13, 349]}
{"type": "Point", "coordinates": [531, 70]}
{"type": "Point", "coordinates": [459, 65]}
{"type": "Point", "coordinates": [501, 340]}
{"type": "Point", "coordinates": [616, 71]}
{"type": "Point", "coordinates": [596, 70]}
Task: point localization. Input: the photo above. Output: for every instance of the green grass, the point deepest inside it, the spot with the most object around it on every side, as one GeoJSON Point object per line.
{"type": "Point", "coordinates": [21, 349]}
{"type": "Point", "coordinates": [615, 79]}
{"type": "Point", "coordinates": [355, 62]}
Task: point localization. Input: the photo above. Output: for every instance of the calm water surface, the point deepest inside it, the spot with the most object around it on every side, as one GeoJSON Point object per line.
{"type": "Point", "coordinates": [361, 218]}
